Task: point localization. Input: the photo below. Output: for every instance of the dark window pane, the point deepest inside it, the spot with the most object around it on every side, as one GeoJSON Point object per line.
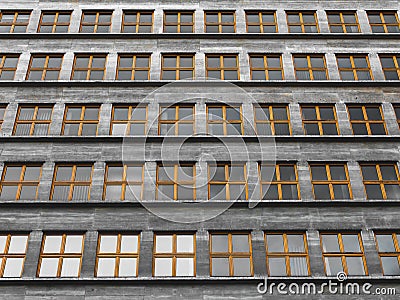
{"type": "Point", "coordinates": [321, 191]}
{"type": "Point", "coordinates": [373, 191]}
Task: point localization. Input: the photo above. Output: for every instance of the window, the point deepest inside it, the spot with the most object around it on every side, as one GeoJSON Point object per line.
{"type": "Point", "coordinates": [174, 254]}
{"type": "Point", "coordinates": [287, 254]}
{"type": "Point", "coordinates": [389, 252]}
{"type": "Point", "coordinates": [266, 67]}
{"type": "Point", "coordinates": [61, 255]}
{"type": "Point", "coordinates": [96, 22]}
{"type": "Point", "coordinates": [12, 254]}
{"type": "Point", "coordinates": [224, 120]}
{"type": "Point", "coordinates": [343, 22]}
{"type": "Point", "coordinates": [80, 120]}
{"type": "Point", "coordinates": [20, 181]}
{"type": "Point", "coordinates": [283, 185]}
{"type": "Point", "coordinates": [178, 22]}
{"type": "Point", "coordinates": [391, 66]}
{"type": "Point", "coordinates": [33, 120]}
{"type": "Point", "coordinates": [310, 67]}
{"type": "Point", "coordinates": [220, 22]}
{"type": "Point", "coordinates": [367, 119]}
{"type": "Point", "coordinates": [89, 67]}
{"type": "Point", "coordinates": [176, 67]}
{"type": "Point", "coordinates": [397, 112]}
{"type": "Point", "coordinates": [71, 182]}
{"type": "Point", "coordinates": [176, 120]}
{"type": "Point", "coordinates": [330, 181]}
{"type": "Point", "coordinates": [272, 119]}
{"type": "Point", "coordinates": [14, 22]}
{"type": "Point", "coordinates": [354, 67]}
{"type": "Point", "coordinates": [2, 114]}
{"type": "Point", "coordinates": [261, 22]}
{"type": "Point", "coordinates": [133, 67]}
{"type": "Point", "coordinates": [384, 22]}
{"type": "Point", "coordinates": [227, 181]}
{"type": "Point", "coordinates": [343, 252]}
{"type": "Point", "coordinates": [381, 180]}
{"type": "Point", "coordinates": [44, 67]}
{"type": "Point", "coordinates": [123, 182]}
{"type": "Point", "coordinates": [129, 120]}
{"type": "Point", "coordinates": [8, 66]}
{"type": "Point", "coordinates": [137, 22]}
{"type": "Point", "coordinates": [224, 67]}
{"type": "Point", "coordinates": [319, 119]}
{"type": "Point", "coordinates": [176, 181]}
{"type": "Point", "coordinates": [117, 255]}
{"type": "Point", "coordinates": [302, 22]}
{"type": "Point", "coordinates": [230, 254]}
{"type": "Point", "coordinates": [54, 22]}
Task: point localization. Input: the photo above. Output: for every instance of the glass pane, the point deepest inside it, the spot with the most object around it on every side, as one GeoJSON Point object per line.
{"type": "Point", "coordinates": [32, 173]}
{"type": "Point", "coordinates": [321, 191]}
{"type": "Point", "coordinates": [26, 113]}
{"type": "Point", "coordinates": [329, 129]}
{"type": "Point", "coordinates": [275, 243]}
{"type": "Point", "coordinates": [17, 244]}
{"type": "Point", "coordinates": [83, 173]}
{"type": "Point", "coordinates": [341, 191]}
{"type": "Point", "coordinates": [236, 173]}
{"type": "Point", "coordinates": [220, 267]}
{"type": "Point", "coordinates": [61, 192]}
{"type": "Point", "coordinates": [277, 266]}
{"type": "Point", "coordinates": [217, 192]}
{"type": "Point", "coordinates": [74, 113]}
{"type": "Point", "coordinates": [298, 266]}
{"type": "Point", "coordinates": [318, 173]}
{"type": "Point", "coordinates": [219, 243]}
{"type": "Point", "coordinates": [73, 244]}
{"type": "Point", "coordinates": [165, 192]}
{"type": "Point", "coordinates": [241, 266]}
{"type": "Point", "coordinates": [296, 243]}
{"type": "Point", "coordinates": [3, 241]}
{"type": "Point", "coordinates": [351, 243]}
{"type": "Point", "coordinates": [287, 173]}
{"type": "Point", "coordinates": [240, 243]}
{"type": "Point", "coordinates": [115, 173]}
{"type": "Point", "coordinates": [13, 267]}
{"type": "Point", "coordinates": [108, 244]}
{"type": "Point", "coordinates": [28, 192]}
{"type": "Point", "coordinates": [184, 267]}
{"type": "Point", "coordinates": [141, 75]}
{"type": "Point", "coordinates": [134, 173]}
{"type": "Point", "coordinates": [163, 267]}
{"type": "Point", "coordinates": [106, 267]}
{"type": "Point", "coordinates": [282, 129]}
{"type": "Point", "coordinates": [9, 192]}
{"type": "Point", "coordinates": [113, 192]}
{"type": "Point", "coordinates": [330, 243]}
{"type": "Point", "coordinates": [52, 244]}
{"type": "Point", "coordinates": [355, 266]}
{"type": "Point", "coordinates": [48, 267]}
{"type": "Point", "coordinates": [80, 193]}
{"type": "Point", "coordinates": [333, 265]}
{"type": "Point", "coordinates": [385, 243]}
{"type": "Point", "coordinates": [230, 75]}
{"type": "Point", "coordinates": [163, 244]}
{"type": "Point", "coordinates": [129, 244]}
{"type": "Point", "coordinates": [311, 129]}
{"type": "Point", "coordinates": [184, 243]}
{"type": "Point", "coordinates": [373, 191]}
{"type": "Point", "coordinates": [289, 191]}
{"type": "Point", "coordinates": [392, 191]}
{"type": "Point", "coordinates": [127, 267]}
{"type": "Point", "coordinates": [12, 173]}
{"type": "Point", "coordinates": [70, 267]}
{"type": "Point", "coordinates": [138, 113]}
{"type": "Point", "coordinates": [89, 129]}
{"type": "Point", "coordinates": [338, 172]}
{"type": "Point", "coordinates": [369, 173]}
{"type": "Point", "coordinates": [390, 266]}
{"type": "Point", "coordinates": [309, 113]}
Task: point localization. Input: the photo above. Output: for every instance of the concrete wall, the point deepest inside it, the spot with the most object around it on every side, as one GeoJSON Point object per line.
{"type": "Point", "coordinates": [96, 215]}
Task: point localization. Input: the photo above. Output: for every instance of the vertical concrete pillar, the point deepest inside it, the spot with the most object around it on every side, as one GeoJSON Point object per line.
{"type": "Point", "coordinates": [390, 119]}
{"type": "Point", "coordinates": [89, 254]}
{"type": "Point", "coordinates": [103, 127]}
{"type": "Point", "coordinates": [145, 255]}
{"type": "Point", "coordinates": [32, 254]}
{"type": "Point", "coordinates": [356, 181]}
{"type": "Point", "coordinates": [295, 119]}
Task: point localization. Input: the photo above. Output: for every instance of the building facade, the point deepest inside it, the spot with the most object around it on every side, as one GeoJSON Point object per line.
{"type": "Point", "coordinates": [315, 81]}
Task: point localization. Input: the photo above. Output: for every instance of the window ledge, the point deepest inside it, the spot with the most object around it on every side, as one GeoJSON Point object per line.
{"type": "Point", "coordinates": [158, 83]}
{"type": "Point", "coordinates": [199, 35]}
